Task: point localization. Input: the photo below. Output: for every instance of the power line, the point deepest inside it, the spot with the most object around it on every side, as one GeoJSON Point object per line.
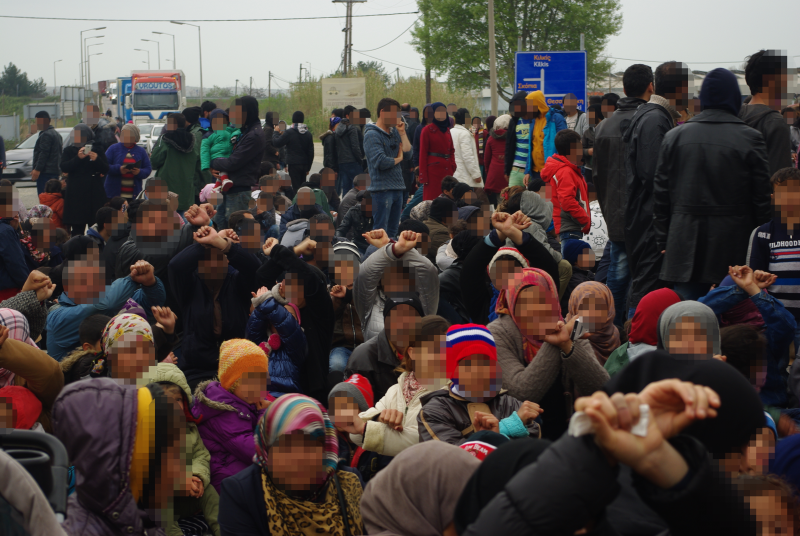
{"type": "Point", "coordinates": [688, 62]}
{"type": "Point", "coordinates": [392, 41]}
{"type": "Point", "coordinates": [393, 63]}
{"type": "Point", "coordinates": [204, 20]}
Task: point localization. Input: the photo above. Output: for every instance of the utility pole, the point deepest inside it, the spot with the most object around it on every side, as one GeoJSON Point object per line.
{"type": "Point", "coordinates": [347, 60]}
{"type": "Point", "coordinates": [398, 73]}
{"type": "Point", "coordinates": [269, 86]}
{"type": "Point", "coordinates": [250, 92]}
{"type": "Point", "coordinates": [492, 61]}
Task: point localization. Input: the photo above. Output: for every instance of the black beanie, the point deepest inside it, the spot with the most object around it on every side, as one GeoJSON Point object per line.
{"type": "Point", "coordinates": [460, 189]}
{"type": "Point", "coordinates": [408, 298]}
{"type": "Point", "coordinates": [192, 114]}
{"type": "Point", "coordinates": [298, 117]}
{"type": "Point", "coordinates": [441, 208]}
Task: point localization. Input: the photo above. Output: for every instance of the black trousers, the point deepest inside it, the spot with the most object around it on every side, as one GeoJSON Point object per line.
{"type": "Point", "coordinates": [298, 174]}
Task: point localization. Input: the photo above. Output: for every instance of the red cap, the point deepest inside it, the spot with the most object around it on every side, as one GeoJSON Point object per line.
{"type": "Point", "coordinates": [364, 387]}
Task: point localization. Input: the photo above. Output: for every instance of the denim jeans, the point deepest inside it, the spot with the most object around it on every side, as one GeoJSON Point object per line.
{"type": "Point", "coordinates": [347, 172]}
{"type": "Point", "coordinates": [619, 279]}
{"type": "Point", "coordinates": [567, 236]}
{"type": "Point", "coordinates": [42, 181]}
{"type": "Point", "coordinates": [220, 218]}
{"type": "Point", "coordinates": [236, 202]}
{"type": "Point", "coordinates": [416, 200]}
{"type": "Point", "coordinates": [338, 359]}
{"type": "Point", "coordinates": [386, 207]}
{"type": "Point", "coordinates": [691, 290]}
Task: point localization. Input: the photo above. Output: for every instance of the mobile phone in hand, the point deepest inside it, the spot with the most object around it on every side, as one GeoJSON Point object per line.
{"type": "Point", "coordinates": [87, 148]}
{"type": "Point", "coordinates": [578, 329]}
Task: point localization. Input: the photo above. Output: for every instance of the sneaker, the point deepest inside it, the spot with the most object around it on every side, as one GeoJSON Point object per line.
{"type": "Point", "coordinates": [227, 184]}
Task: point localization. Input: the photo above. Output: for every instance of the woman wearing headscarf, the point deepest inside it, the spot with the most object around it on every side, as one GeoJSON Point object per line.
{"type": "Point", "coordinates": [436, 152]}
{"type": "Point", "coordinates": [494, 156]}
{"type": "Point", "coordinates": [128, 163]}
{"type": "Point", "coordinates": [740, 299]}
{"type": "Point", "coordinates": [293, 486]}
{"type": "Point", "coordinates": [85, 173]}
{"type": "Point", "coordinates": [594, 303]}
{"type": "Point", "coordinates": [539, 361]}
{"type": "Point", "coordinates": [128, 349]}
{"type": "Point", "coordinates": [127, 448]}
{"type": "Point", "coordinates": [689, 330]}
{"type": "Point", "coordinates": [416, 494]}
{"type": "Point", "coordinates": [643, 336]}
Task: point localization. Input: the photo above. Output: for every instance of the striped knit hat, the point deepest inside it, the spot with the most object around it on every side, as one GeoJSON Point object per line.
{"type": "Point", "coordinates": [507, 252]}
{"type": "Point", "coordinates": [290, 413]}
{"type": "Point", "coordinates": [465, 340]}
{"type": "Point", "coordinates": [238, 356]}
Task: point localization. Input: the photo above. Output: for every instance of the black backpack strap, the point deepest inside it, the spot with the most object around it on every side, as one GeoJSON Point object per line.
{"type": "Point", "coordinates": [342, 505]}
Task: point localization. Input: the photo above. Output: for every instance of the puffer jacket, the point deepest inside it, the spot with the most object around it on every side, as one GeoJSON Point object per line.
{"type": "Point", "coordinates": [447, 417]}
{"type": "Point", "coordinates": [47, 151]}
{"type": "Point", "coordinates": [466, 157]}
{"type": "Point", "coordinates": [226, 429]}
{"type": "Point", "coordinates": [383, 439]}
{"type": "Point", "coordinates": [217, 145]}
{"type": "Point", "coordinates": [347, 327]}
{"type": "Point", "coordinates": [329, 158]}
{"type": "Point", "coordinates": [355, 223]}
{"type": "Point", "coordinates": [540, 211]}
{"type": "Point", "coordinates": [199, 459]}
{"type": "Point", "coordinates": [285, 362]}
{"type": "Point", "coordinates": [101, 506]}
{"type": "Point", "coordinates": [244, 163]}
{"type": "Point", "coordinates": [570, 199]}
{"type": "Point", "coordinates": [370, 300]}
{"type": "Point", "coordinates": [348, 144]}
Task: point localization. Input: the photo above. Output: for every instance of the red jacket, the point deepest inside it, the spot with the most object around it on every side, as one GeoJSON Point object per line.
{"type": "Point", "coordinates": [432, 169]}
{"type": "Point", "coordinates": [494, 160]}
{"type": "Point", "coordinates": [571, 201]}
{"type": "Point", "coordinates": [56, 203]}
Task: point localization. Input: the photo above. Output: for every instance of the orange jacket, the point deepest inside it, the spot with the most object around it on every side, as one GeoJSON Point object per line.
{"type": "Point", "coordinates": [56, 203]}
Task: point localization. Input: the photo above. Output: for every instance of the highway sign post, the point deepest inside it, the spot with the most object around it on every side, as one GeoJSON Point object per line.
{"type": "Point", "coordinates": [555, 73]}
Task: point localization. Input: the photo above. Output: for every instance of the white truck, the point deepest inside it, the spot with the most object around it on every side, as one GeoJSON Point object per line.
{"type": "Point", "coordinates": [154, 94]}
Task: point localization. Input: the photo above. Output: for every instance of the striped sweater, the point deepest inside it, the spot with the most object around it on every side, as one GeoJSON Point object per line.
{"type": "Point", "coordinates": [774, 250]}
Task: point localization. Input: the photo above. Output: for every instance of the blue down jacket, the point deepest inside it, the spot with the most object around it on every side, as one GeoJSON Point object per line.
{"type": "Point", "coordinates": [285, 362]}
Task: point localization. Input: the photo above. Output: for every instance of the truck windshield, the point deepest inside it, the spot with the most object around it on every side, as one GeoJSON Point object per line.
{"type": "Point", "coordinates": [155, 101]}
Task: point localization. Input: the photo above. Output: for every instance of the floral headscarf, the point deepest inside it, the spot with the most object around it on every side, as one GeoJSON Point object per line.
{"type": "Point", "coordinates": [18, 330]}
{"type": "Point", "coordinates": [604, 338]}
{"type": "Point", "coordinates": [507, 302]}
{"type": "Point", "coordinates": [123, 324]}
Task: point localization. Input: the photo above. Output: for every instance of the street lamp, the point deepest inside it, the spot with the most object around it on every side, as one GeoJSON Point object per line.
{"type": "Point", "coordinates": [89, 30]}
{"type": "Point", "coordinates": [148, 55]}
{"type": "Point", "coordinates": [158, 50]}
{"type": "Point", "coordinates": [55, 86]}
{"type": "Point", "coordinates": [200, 46]}
{"type": "Point", "coordinates": [89, 73]}
{"type": "Point", "coordinates": [173, 46]}
{"type": "Point", "coordinates": [85, 50]}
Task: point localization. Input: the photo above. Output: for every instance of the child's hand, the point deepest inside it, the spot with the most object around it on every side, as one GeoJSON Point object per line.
{"type": "Point", "coordinates": [392, 418]}
{"type": "Point", "coordinates": [270, 243]}
{"type": "Point", "coordinates": [764, 279]}
{"type": "Point", "coordinates": [171, 359]}
{"type": "Point", "coordinates": [338, 291]}
{"type": "Point", "coordinates": [521, 220]}
{"type": "Point", "coordinates": [355, 427]}
{"type": "Point", "coordinates": [263, 404]}
{"type": "Point", "coordinates": [197, 489]}
{"type": "Point", "coordinates": [166, 318]}
{"type": "Point", "coordinates": [528, 411]}
{"type": "Point", "coordinates": [486, 421]}
{"type": "Point", "coordinates": [261, 291]}
{"type": "Point", "coordinates": [743, 277]}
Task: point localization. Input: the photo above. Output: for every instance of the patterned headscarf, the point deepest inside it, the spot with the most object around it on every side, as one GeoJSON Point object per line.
{"type": "Point", "coordinates": [40, 211]}
{"type": "Point", "coordinates": [122, 324]}
{"type": "Point", "coordinates": [604, 338]}
{"type": "Point", "coordinates": [18, 330]}
{"type": "Point", "coordinates": [507, 302]}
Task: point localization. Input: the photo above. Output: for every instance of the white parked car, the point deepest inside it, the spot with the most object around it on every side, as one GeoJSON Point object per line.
{"type": "Point", "coordinates": [146, 130]}
{"type": "Point", "coordinates": [153, 137]}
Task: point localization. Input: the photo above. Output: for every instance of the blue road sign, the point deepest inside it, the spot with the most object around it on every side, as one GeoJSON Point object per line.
{"type": "Point", "coordinates": [554, 73]}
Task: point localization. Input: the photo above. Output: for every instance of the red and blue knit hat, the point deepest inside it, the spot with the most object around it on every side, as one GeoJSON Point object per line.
{"type": "Point", "coordinates": [465, 340]}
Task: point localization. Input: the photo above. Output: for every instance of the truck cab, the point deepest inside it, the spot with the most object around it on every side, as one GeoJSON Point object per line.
{"type": "Point", "coordinates": [154, 95]}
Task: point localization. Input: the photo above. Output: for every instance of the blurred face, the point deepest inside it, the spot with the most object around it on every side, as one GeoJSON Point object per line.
{"type": "Point", "coordinates": [607, 108]}
{"type": "Point", "coordinates": [328, 182]}
{"type": "Point", "coordinates": [237, 115]}
{"type": "Point", "coordinates": [295, 462]}
{"type": "Point", "coordinates": [92, 116]}
{"type": "Point", "coordinates": [218, 123]}
{"type": "Point", "coordinates": [345, 272]}
{"type": "Point", "coordinates": [478, 376]}
{"type": "Point", "coordinates": [155, 222]}
{"type": "Point", "coordinates": [344, 410]}
{"type": "Point", "coordinates": [79, 137]}
{"type": "Point", "coordinates": [502, 270]}
{"type": "Point", "coordinates": [43, 232]}
{"type": "Point", "coordinates": [452, 108]}
{"type": "Point", "coordinates": [264, 204]}
{"type": "Point", "coordinates": [687, 336]}
{"type": "Point", "coordinates": [479, 223]}
{"type": "Point", "coordinates": [9, 210]}
{"type": "Point", "coordinates": [131, 356]}
{"type": "Point", "coordinates": [366, 206]}
{"type": "Point", "coordinates": [594, 312]}
{"type": "Point", "coordinates": [469, 197]}
{"type": "Point", "coordinates": [535, 315]}
{"type": "Point", "coordinates": [430, 357]}
{"type": "Point", "coordinates": [429, 114]}
{"type": "Point", "coordinates": [172, 124]}
{"type": "Point", "coordinates": [396, 279]}
{"type": "Point", "coordinates": [413, 114]}
{"type": "Point", "coordinates": [586, 259]}
{"type": "Point", "coordinates": [127, 137]}
{"type": "Point", "coordinates": [250, 236]}
{"type": "Point", "coordinates": [476, 122]}
{"type": "Point", "coordinates": [571, 106]}
{"type": "Point", "coordinates": [252, 386]}
{"type": "Point", "coordinates": [773, 513]}
{"type": "Point", "coordinates": [399, 325]}
{"type": "Point", "coordinates": [294, 290]}
{"type": "Point", "coordinates": [85, 280]}
{"type": "Point", "coordinates": [7, 414]}
{"type": "Point", "coordinates": [305, 200]}
{"type": "Point", "coordinates": [786, 200]}
{"type": "Point", "coordinates": [213, 266]}
{"type": "Point", "coordinates": [42, 123]}
{"type": "Point", "coordinates": [531, 112]}
{"type": "Point", "coordinates": [440, 113]}
{"type": "Point", "coordinates": [390, 116]}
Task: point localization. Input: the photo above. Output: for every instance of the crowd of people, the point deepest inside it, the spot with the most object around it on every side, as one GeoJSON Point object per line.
{"type": "Point", "coordinates": [420, 338]}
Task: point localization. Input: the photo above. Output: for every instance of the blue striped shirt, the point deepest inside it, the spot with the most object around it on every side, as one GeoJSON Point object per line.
{"type": "Point", "coordinates": [774, 250]}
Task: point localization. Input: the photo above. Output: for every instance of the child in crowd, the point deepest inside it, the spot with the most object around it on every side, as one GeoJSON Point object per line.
{"type": "Point", "coordinates": [196, 494]}
{"type": "Point", "coordinates": [53, 198]}
{"type": "Point", "coordinates": [570, 200]}
{"type": "Point", "coordinates": [594, 304]}
{"type": "Point", "coordinates": [266, 214]}
{"type": "Point", "coordinates": [230, 408]}
{"type": "Point", "coordinates": [345, 402]}
{"type": "Point", "coordinates": [19, 409]}
{"type": "Point", "coordinates": [218, 145]}
{"type": "Point", "coordinates": [473, 401]}
{"type": "Point", "coordinates": [580, 256]}
{"type": "Point", "coordinates": [274, 325]}
{"type": "Point", "coordinates": [79, 365]}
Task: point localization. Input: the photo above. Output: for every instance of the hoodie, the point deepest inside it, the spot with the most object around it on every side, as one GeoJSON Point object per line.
{"type": "Point", "coordinates": [776, 134]}
{"type": "Point", "coordinates": [543, 133]}
{"type": "Point", "coordinates": [570, 202]}
{"type": "Point", "coordinates": [540, 211]}
{"type": "Point", "coordinates": [174, 160]}
{"type": "Point", "coordinates": [348, 143]}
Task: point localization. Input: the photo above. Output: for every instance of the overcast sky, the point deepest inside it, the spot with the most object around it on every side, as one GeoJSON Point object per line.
{"type": "Point", "coordinates": [686, 30]}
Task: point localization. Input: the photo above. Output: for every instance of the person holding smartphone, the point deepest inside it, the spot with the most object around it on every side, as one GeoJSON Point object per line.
{"type": "Point", "coordinates": [128, 164]}
{"type": "Point", "coordinates": [86, 170]}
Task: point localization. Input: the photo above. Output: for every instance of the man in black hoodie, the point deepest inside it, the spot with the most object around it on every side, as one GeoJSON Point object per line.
{"type": "Point", "coordinates": [765, 74]}
{"type": "Point", "coordinates": [643, 139]}
{"type": "Point", "coordinates": [609, 177]}
{"type": "Point", "coordinates": [300, 149]}
{"type": "Point", "coordinates": [349, 149]}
